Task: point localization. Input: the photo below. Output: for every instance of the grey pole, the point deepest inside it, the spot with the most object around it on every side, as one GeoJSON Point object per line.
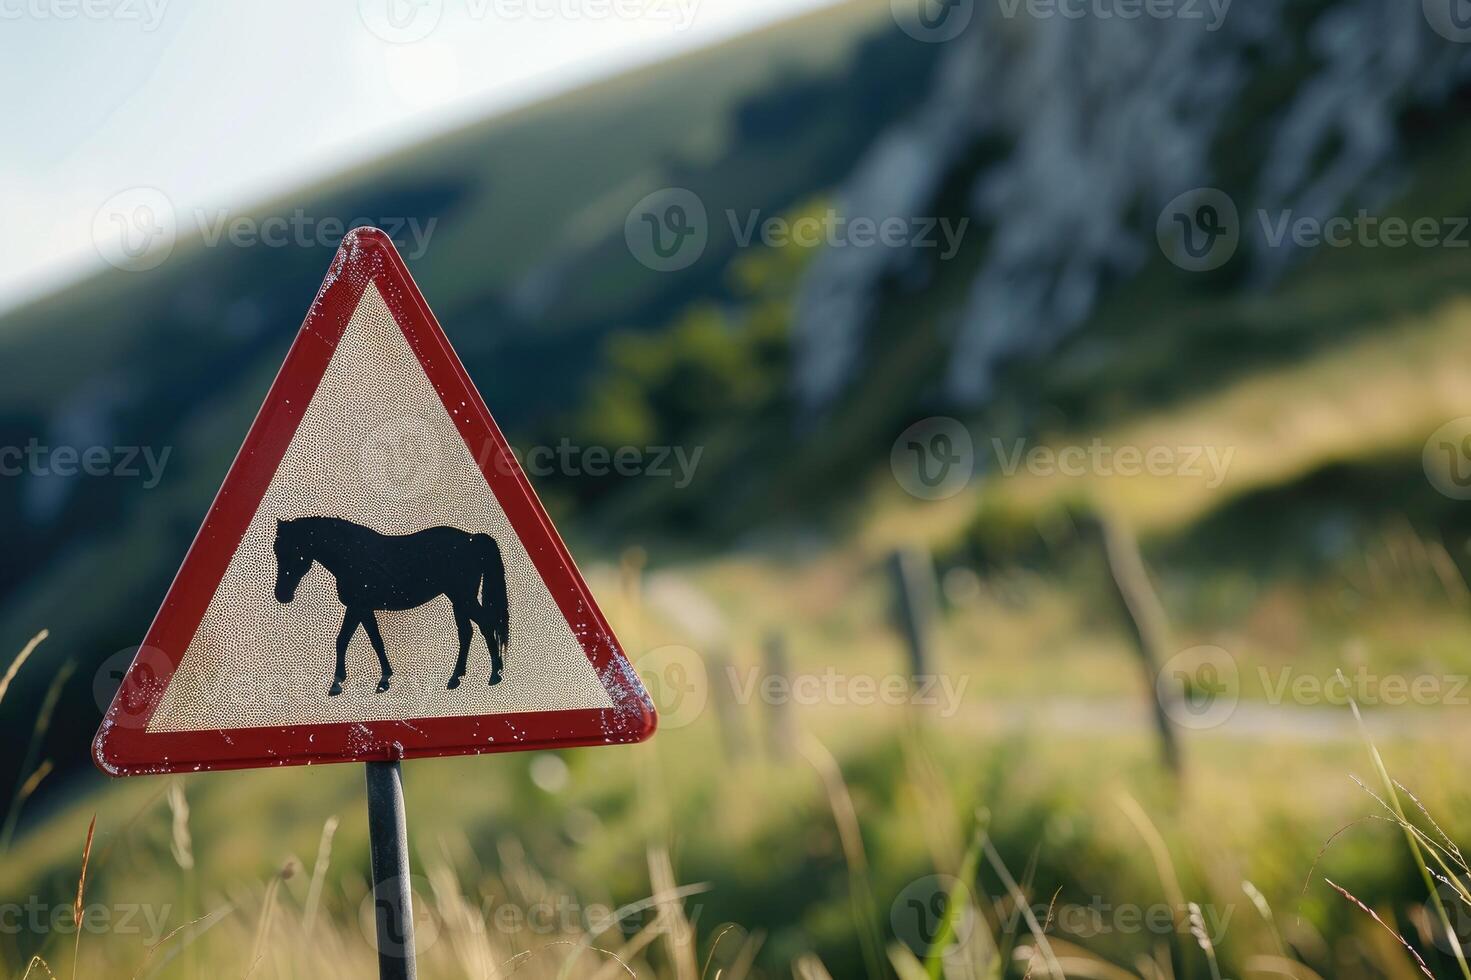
{"type": "Point", "coordinates": [388, 839]}
{"type": "Point", "coordinates": [913, 574]}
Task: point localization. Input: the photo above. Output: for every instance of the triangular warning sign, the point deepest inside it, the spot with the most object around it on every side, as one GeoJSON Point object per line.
{"type": "Point", "coordinates": [376, 579]}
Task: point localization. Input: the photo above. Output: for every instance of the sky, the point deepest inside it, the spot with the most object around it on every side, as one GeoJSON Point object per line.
{"type": "Point", "coordinates": [219, 104]}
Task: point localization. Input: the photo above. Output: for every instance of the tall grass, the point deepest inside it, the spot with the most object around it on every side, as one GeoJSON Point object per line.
{"type": "Point", "coordinates": [1024, 822]}
{"type": "Point", "coordinates": [1425, 850]}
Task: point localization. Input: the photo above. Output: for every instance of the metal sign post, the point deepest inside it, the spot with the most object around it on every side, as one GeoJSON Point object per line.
{"type": "Point", "coordinates": [393, 903]}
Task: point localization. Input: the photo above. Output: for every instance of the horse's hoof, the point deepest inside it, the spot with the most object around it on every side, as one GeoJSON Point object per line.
{"type": "Point", "coordinates": [383, 685]}
{"type": "Point", "coordinates": [454, 682]}
{"type": "Point", "coordinates": [335, 689]}
{"type": "Point", "coordinates": [495, 679]}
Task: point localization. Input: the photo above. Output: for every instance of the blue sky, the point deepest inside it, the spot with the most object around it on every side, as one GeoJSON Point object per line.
{"type": "Point", "coordinates": [220, 103]}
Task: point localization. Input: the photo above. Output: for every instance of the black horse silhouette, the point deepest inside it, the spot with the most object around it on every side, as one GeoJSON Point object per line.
{"type": "Point", "coordinates": [378, 571]}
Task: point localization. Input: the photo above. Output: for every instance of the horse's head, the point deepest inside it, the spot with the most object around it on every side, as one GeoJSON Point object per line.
{"type": "Point", "coordinates": [293, 558]}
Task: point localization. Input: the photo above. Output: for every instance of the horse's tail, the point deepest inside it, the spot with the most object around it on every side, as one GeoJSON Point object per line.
{"type": "Point", "coordinates": [493, 597]}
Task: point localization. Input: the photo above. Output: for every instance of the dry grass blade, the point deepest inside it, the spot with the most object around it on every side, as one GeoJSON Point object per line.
{"type": "Point", "coordinates": [643, 904]}
{"type": "Point", "coordinates": [214, 917]}
{"type": "Point", "coordinates": [1054, 969]}
{"type": "Point", "coordinates": [1161, 967]}
{"type": "Point", "coordinates": [634, 908]}
{"type": "Point", "coordinates": [943, 833]}
{"type": "Point", "coordinates": [1375, 916]}
{"type": "Point", "coordinates": [1432, 847]}
{"type": "Point", "coordinates": [1086, 969]}
{"type": "Point", "coordinates": [726, 930]}
{"type": "Point", "coordinates": [1365, 787]}
{"type": "Point", "coordinates": [1083, 963]}
{"type": "Point", "coordinates": [1203, 939]}
{"type": "Point", "coordinates": [126, 829]}
{"type": "Point", "coordinates": [35, 962]}
{"type": "Point", "coordinates": [181, 845]}
{"type": "Point", "coordinates": [268, 909]}
{"type": "Point", "coordinates": [906, 965]}
{"type": "Point", "coordinates": [33, 781]}
{"type": "Point", "coordinates": [461, 922]}
{"type": "Point", "coordinates": [319, 875]}
{"type": "Point", "coordinates": [1046, 927]}
{"type": "Point", "coordinates": [1077, 962]}
{"type": "Point", "coordinates": [19, 661]}
{"type": "Point", "coordinates": [1453, 879]}
{"type": "Point", "coordinates": [1263, 909]}
{"type": "Point", "coordinates": [809, 967]}
{"type": "Point", "coordinates": [521, 959]}
{"type": "Point", "coordinates": [1082, 967]}
{"type": "Point", "coordinates": [1450, 845]}
{"type": "Point", "coordinates": [79, 905]}
{"type": "Point", "coordinates": [1308, 880]}
{"type": "Point", "coordinates": [745, 960]}
{"type": "Point", "coordinates": [1164, 866]}
{"type": "Point", "coordinates": [1280, 966]}
{"type": "Point", "coordinates": [845, 815]}
{"type": "Point", "coordinates": [1410, 838]}
{"type": "Point", "coordinates": [678, 933]}
{"type": "Point", "coordinates": [628, 951]}
{"type": "Point", "coordinates": [33, 748]}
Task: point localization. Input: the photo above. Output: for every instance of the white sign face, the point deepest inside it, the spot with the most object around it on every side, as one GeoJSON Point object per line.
{"type": "Point", "coordinates": [376, 448]}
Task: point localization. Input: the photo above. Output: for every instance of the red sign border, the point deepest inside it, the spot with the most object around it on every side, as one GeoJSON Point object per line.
{"type": "Point", "coordinates": [123, 745]}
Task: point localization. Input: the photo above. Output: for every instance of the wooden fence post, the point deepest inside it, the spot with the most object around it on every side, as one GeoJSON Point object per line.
{"type": "Point", "coordinates": [781, 729]}
{"type": "Point", "coordinates": [912, 574]}
{"type": "Point", "coordinates": [1145, 617]}
{"type": "Point", "coordinates": [727, 709]}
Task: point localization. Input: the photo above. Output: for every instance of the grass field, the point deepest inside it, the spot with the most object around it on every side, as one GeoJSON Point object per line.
{"type": "Point", "coordinates": [806, 847]}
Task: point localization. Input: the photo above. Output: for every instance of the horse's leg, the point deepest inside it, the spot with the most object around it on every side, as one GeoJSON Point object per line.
{"type": "Point", "coordinates": [344, 636]}
{"type": "Point", "coordinates": [480, 617]}
{"type": "Point", "coordinates": [370, 625]}
{"type": "Point", "coordinates": [462, 623]}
